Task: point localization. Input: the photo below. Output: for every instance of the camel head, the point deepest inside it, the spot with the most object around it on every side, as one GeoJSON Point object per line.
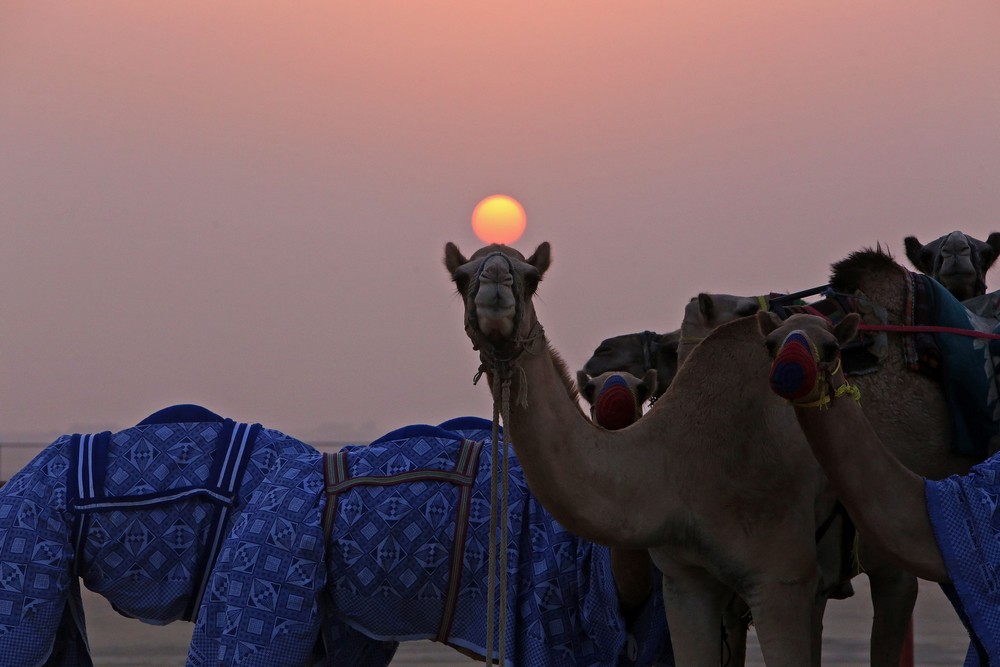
{"type": "Point", "coordinates": [705, 312]}
{"type": "Point", "coordinates": [616, 397]}
{"type": "Point", "coordinates": [806, 354]}
{"type": "Point", "coordinates": [497, 284]}
{"type": "Point", "coordinates": [636, 353]}
{"type": "Point", "coordinates": [956, 260]}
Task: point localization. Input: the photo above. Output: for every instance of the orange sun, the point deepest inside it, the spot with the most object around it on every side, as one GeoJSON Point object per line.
{"type": "Point", "coordinates": [498, 219]}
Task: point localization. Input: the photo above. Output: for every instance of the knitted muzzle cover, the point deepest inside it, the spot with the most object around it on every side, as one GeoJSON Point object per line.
{"type": "Point", "coordinates": [615, 407]}
{"type": "Point", "coordinates": [794, 372]}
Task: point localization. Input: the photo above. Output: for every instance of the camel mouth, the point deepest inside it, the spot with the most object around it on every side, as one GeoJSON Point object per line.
{"type": "Point", "coordinates": [496, 324]}
{"type": "Point", "coordinates": [963, 272]}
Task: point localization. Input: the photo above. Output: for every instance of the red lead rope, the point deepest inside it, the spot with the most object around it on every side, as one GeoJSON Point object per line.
{"type": "Point", "coordinates": [900, 328]}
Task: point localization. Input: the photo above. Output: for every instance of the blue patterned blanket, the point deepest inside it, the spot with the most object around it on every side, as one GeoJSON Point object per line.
{"type": "Point", "coordinates": [404, 556]}
{"type": "Point", "coordinates": [965, 515]}
{"type": "Point", "coordinates": [141, 515]}
{"type": "Point", "coordinates": [138, 515]}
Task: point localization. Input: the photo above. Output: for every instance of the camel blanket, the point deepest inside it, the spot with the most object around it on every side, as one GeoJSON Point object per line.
{"type": "Point", "coordinates": [965, 515]}
{"type": "Point", "coordinates": [403, 555]}
{"type": "Point", "coordinates": [963, 364]}
{"type": "Point", "coordinates": [138, 515]}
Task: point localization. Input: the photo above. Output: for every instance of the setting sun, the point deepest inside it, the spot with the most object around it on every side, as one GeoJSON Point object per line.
{"type": "Point", "coordinates": [498, 219]}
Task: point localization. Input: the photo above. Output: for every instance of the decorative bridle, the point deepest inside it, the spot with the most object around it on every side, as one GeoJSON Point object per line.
{"type": "Point", "coordinates": [500, 365]}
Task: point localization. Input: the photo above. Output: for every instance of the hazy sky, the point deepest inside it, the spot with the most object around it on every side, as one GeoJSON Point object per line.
{"type": "Point", "coordinates": [244, 204]}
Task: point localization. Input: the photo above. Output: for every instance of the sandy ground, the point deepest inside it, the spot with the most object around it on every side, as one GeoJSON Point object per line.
{"type": "Point", "coordinates": [939, 637]}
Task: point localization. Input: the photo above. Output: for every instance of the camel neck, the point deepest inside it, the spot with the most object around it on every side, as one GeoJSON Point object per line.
{"type": "Point", "coordinates": [583, 475]}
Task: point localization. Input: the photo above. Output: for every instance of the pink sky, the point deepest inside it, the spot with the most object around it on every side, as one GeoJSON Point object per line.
{"type": "Point", "coordinates": [244, 205]}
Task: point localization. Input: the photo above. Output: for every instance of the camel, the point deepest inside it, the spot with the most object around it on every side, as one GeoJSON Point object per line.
{"type": "Point", "coordinates": [616, 397]}
{"type": "Point", "coordinates": [635, 353]}
{"type": "Point", "coordinates": [630, 354]}
{"type": "Point", "coordinates": [693, 490]}
{"type": "Point", "coordinates": [956, 260]}
{"type": "Point", "coordinates": [942, 531]}
{"type": "Point", "coordinates": [722, 508]}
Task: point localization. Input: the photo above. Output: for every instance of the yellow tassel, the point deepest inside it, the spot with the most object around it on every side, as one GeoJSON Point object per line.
{"type": "Point", "coordinates": [848, 389]}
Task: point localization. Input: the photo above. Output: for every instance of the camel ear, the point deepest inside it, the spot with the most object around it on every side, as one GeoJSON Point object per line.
{"type": "Point", "coordinates": [993, 241]}
{"type": "Point", "coordinates": [541, 258]}
{"type": "Point", "coordinates": [585, 386]}
{"type": "Point", "coordinates": [767, 321]}
{"type": "Point", "coordinates": [706, 306]}
{"type": "Point", "coordinates": [914, 253]}
{"type": "Point", "coordinates": [847, 328]}
{"type": "Point", "coordinates": [453, 258]}
{"type": "Point", "coordinates": [647, 387]}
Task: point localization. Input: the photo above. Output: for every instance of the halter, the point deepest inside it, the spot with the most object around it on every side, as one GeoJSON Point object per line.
{"type": "Point", "coordinates": [500, 361]}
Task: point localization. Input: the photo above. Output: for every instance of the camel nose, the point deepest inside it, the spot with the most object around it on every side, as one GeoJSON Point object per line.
{"type": "Point", "coordinates": [495, 285]}
{"type": "Point", "coordinates": [497, 272]}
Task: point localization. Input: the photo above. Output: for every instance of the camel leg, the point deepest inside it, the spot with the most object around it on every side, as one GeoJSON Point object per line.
{"type": "Point", "coordinates": [735, 619]}
{"type": "Point", "coordinates": [816, 646]}
{"type": "Point", "coordinates": [694, 602]}
{"type": "Point", "coordinates": [784, 611]}
{"type": "Point", "coordinates": [894, 594]}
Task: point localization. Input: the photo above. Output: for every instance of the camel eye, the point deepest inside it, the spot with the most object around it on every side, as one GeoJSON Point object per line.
{"type": "Point", "coordinates": [829, 351]}
{"type": "Point", "coordinates": [461, 280]}
{"type": "Point", "coordinates": [772, 346]}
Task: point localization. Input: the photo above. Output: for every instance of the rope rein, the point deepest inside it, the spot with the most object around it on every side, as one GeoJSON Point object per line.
{"type": "Point", "coordinates": [502, 370]}
{"type": "Point", "coordinates": [904, 328]}
{"type": "Point", "coordinates": [494, 472]}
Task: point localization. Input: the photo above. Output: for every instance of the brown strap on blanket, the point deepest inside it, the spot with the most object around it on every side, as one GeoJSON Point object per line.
{"type": "Point", "coordinates": [338, 480]}
{"type": "Point", "coordinates": [468, 463]}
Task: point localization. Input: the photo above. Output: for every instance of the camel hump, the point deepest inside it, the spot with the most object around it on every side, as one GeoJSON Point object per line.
{"type": "Point", "coordinates": [185, 413]}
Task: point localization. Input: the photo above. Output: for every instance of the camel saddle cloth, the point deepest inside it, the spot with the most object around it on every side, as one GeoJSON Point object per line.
{"type": "Point", "coordinates": [390, 541]}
